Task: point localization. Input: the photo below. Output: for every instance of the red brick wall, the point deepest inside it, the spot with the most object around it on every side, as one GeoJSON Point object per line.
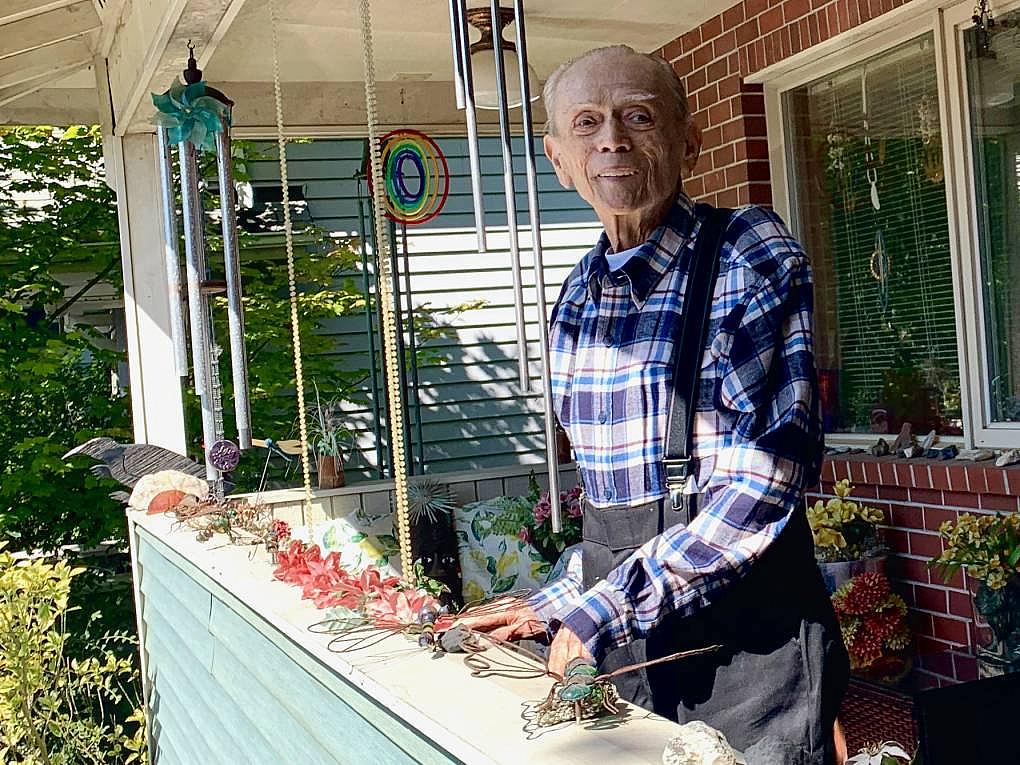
{"type": "Point", "coordinates": [713, 60]}
{"type": "Point", "coordinates": [916, 497]}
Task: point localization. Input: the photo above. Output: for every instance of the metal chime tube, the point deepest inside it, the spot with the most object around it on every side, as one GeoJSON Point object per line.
{"type": "Point", "coordinates": [198, 309]}
{"type": "Point", "coordinates": [370, 332]}
{"type": "Point", "coordinates": [458, 76]}
{"type": "Point", "coordinates": [235, 308]}
{"type": "Point", "coordinates": [466, 89]}
{"type": "Point", "coordinates": [511, 203]}
{"type": "Point", "coordinates": [551, 457]}
{"type": "Point", "coordinates": [171, 255]}
{"type": "Point", "coordinates": [413, 353]}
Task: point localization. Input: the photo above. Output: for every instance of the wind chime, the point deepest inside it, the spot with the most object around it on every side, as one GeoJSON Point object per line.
{"type": "Point", "coordinates": [193, 116]}
{"type": "Point", "coordinates": [466, 57]}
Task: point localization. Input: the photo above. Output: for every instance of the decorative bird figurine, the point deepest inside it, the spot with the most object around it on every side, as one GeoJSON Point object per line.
{"type": "Point", "coordinates": [127, 463]}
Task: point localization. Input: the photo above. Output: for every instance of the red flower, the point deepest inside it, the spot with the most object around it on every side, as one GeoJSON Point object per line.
{"type": "Point", "coordinates": [864, 596]}
{"type": "Point", "coordinates": [279, 529]}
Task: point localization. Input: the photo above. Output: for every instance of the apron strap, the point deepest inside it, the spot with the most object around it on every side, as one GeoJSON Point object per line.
{"type": "Point", "coordinates": [678, 462]}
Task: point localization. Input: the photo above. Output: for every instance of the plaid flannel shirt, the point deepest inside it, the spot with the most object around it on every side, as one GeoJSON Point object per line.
{"type": "Point", "coordinates": [757, 433]}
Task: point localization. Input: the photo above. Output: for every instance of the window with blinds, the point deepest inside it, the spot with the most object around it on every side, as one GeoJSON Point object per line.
{"type": "Point", "coordinates": [993, 74]}
{"type": "Point", "coordinates": [869, 203]}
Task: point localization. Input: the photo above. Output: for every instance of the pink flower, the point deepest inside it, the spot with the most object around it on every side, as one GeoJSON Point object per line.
{"type": "Point", "coordinates": [398, 609]}
{"type": "Point", "coordinates": [523, 535]}
{"type": "Point", "coordinates": [574, 509]}
{"type": "Point", "coordinates": [542, 509]}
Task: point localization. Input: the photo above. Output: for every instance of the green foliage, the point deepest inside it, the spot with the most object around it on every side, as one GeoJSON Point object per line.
{"type": "Point", "coordinates": [55, 389]}
{"type": "Point", "coordinates": [326, 290]}
{"type": "Point", "coordinates": [53, 708]}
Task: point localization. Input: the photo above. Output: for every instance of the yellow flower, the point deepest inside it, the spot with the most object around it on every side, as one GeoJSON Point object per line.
{"type": "Point", "coordinates": [843, 489]}
{"type": "Point", "coordinates": [872, 514]}
{"type": "Point", "coordinates": [817, 516]}
{"type": "Point", "coordinates": [996, 579]}
{"type": "Point", "coordinates": [505, 563]}
{"type": "Point", "coordinates": [472, 591]}
{"type": "Point", "coordinates": [829, 538]}
{"type": "Point", "coordinates": [478, 557]}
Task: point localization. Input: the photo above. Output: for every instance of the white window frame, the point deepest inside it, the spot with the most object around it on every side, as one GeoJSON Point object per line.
{"type": "Point", "coordinates": [945, 20]}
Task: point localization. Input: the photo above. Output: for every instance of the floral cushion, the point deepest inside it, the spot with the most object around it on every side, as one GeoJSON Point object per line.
{"type": "Point", "coordinates": [362, 540]}
{"type": "Point", "coordinates": [494, 559]}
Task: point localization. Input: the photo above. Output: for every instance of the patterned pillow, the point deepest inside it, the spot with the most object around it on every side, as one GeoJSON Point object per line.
{"type": "Point", "coordinates": [362, 540]}
{"type": "Point", "coordinates": [493, 561]}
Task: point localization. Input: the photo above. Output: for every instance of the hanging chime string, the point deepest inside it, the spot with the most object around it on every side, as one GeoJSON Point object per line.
{"type": "Point", "coordinates": [394, 393]}
{"type": "Point", "coordinates": [288, 232]}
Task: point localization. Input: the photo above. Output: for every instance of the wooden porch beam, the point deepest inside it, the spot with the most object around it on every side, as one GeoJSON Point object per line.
{"type": "Point", "coordinates": [53, 106]}
{"type": "Point", "coordinates": [150, 51]}
{"type": "Point", "coordinates": [16, 10]}
{"type": "Point", "coordinates": [38, 31]}
{"type": "Point", "coordinates": [22, 89]}
{"type": "Point", "coordinates": [27, 67]}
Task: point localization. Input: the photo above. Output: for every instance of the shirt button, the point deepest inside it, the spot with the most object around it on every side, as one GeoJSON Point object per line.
{"type": "Point", "coordinates": [603, 417]}
{"type": "Point", "coordinates": [609, 494]}
{"type": "Point", "coordinates": [608, 339]}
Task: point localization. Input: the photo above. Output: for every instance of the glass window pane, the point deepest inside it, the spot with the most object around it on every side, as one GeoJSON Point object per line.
{"type": "Point", "coordinates": [870, 207]}
{"type": "Point", "coordinates": [993, 69]}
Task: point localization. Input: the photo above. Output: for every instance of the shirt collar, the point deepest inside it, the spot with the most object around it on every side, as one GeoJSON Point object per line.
{"type": "Point", "coordinates": [645, 269]}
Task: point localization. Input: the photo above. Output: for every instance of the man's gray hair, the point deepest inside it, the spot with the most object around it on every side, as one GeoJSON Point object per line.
{"type": "Point", "coordinates": [671, 78]}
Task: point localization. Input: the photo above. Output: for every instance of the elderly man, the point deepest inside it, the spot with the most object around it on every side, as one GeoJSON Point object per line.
{"type": "Point", "coordinates": [657, 578]}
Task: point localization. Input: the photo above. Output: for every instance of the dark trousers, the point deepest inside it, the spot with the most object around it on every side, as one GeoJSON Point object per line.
{"type": "Point", "coordinates": [783, 668]}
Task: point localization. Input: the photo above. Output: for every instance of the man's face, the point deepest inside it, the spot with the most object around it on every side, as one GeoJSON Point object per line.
{"type": "Point", "coordinates": [618, 138]}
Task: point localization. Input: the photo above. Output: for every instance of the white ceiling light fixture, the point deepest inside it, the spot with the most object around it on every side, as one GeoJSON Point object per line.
{"type": "Point", "coordinates": [483, 61]}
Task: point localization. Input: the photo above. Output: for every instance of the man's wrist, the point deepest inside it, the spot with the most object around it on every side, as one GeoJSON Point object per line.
{"type": "Point", "coordinates": [593, 618]}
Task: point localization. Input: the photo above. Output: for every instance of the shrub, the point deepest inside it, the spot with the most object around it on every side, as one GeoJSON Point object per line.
{"type": "Point", "coordinates": [55, 709]}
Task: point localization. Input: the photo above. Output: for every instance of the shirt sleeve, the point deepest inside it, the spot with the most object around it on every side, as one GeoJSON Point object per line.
{"type": "Point", "coordinates": [560, 595]}
{"type": "Point", "coordinates": [767, 381]}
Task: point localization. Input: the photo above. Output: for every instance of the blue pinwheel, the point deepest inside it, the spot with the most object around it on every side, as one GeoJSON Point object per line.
{"type": "Point", "coordinates": [188, 114]}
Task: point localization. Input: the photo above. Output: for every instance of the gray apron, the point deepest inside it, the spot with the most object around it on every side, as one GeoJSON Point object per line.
{"type": "Point", "coordinates": [783, 669]}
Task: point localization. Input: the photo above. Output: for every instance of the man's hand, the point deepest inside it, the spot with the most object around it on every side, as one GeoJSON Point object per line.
{"type": "Point", "coordinates": [515, 621]}
{"type": "Point", "coordinates": [565, 647]}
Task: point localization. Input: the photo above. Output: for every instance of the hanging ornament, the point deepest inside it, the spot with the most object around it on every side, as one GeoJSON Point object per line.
{"type": "Point", "coordinates": [881, 265]}
{"type": "Point", "coordinates": [931, 162]}
{"type": "Point", "coordinates": [416, 176]}
{"type": "Point", "coordinates": [225, 455]}
{"type": "Point", "coordinates": [870, 162]}
{"type": "Point", "coordinates": [188, 114]}
{"type": "Point", "coordinates": [984, 23]}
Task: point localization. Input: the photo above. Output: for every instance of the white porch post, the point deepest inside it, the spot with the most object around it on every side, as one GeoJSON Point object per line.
{"type": "Point", "coordinates": [156, 401]}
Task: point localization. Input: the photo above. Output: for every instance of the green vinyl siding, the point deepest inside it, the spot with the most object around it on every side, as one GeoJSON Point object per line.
{"type": "Point", "coordinates": [473, 413]}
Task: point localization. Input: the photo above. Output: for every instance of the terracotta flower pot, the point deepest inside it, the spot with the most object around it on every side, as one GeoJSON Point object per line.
{"type": "Point", "coordinates": [331, 472]}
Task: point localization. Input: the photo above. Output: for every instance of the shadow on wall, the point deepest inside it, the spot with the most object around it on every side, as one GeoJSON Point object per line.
{"type": "Point", "coordinates": [473, 415]}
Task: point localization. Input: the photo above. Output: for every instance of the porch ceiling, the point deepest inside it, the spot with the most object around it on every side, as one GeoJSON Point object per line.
{"type": "Point", "coordinates": [320, 40]}
{"type": "Point", "coordinates": [43, 41]}
{"type": "Point", "coordinates": [48, 49]}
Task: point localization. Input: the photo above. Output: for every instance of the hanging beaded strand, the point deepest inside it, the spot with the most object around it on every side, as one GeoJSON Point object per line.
{"type": "Point", "coordinates": [394, 394]}
{"type": "Point", "coordinates": [299, 378]}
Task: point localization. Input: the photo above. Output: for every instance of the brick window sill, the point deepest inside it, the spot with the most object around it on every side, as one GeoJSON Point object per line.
{"type": "Point", "coordinates": [948, 476]}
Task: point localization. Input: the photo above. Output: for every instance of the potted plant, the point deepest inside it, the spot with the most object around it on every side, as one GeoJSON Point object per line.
{"type": "Point", "coordinates": [882, 753]}
{"type": "Point", "coordinates": [537, 525]}
{"type": "Point", "coordinates": [846, 537]}
{"type": "Point", "coordinates": [329, 438]}
{"type": "Point", "coordinates": [873, 621]}
{"type": "Point", "coordinates": [988, 547]}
